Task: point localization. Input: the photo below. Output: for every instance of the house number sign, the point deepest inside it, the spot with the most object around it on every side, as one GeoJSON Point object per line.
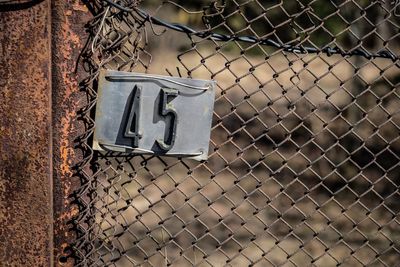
{"type": "Point", "coordinates": [153, 114]}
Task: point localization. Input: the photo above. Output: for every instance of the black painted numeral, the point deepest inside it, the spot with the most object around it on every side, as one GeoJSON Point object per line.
{"type": "Point", "coordinates": [132, 126]}
{"type": "Point", "coordinates": [167, 110]}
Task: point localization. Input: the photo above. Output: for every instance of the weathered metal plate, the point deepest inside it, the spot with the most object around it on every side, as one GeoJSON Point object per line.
{"type": "Point", "coordinates": [153, 114]}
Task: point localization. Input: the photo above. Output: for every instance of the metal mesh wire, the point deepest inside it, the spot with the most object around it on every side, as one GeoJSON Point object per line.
{"type": "Point", "coordinates": [304, 162]}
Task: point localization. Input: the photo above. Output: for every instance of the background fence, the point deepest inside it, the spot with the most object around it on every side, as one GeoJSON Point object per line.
{"type": "Point", "coordinates": [304, 162]}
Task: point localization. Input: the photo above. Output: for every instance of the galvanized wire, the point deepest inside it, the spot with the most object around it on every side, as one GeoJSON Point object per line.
{"type": "Point", "coordinates": [304, 162]}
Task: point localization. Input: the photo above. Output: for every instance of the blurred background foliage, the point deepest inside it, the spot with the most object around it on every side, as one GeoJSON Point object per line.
{"type": "Point", "coordinates": [317, 23]}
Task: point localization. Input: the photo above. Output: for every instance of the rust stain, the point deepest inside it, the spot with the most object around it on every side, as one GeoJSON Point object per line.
{"type": "Point", "coordinates": [69, 18]}
{"type": "Point", "coordinates": [79, 7]}
{"type": "Point", "coordinates": [70, 87]}
{"type": "Point", "coordinates": [71, 214]}
{"type": "Point", "coordinates": [25, 140]}
{"type": "Point", "coordinates": [25, 135]}
{"type": "Point", "coordinates": [66, 150]}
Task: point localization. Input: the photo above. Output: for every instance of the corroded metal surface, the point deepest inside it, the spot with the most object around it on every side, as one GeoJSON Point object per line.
{"type": "Point", "coordinates": [68, 19]}
{"type": "Point", "coordinates": [25, 137]}
{"type": "Point", "coordinates": [12, 5]}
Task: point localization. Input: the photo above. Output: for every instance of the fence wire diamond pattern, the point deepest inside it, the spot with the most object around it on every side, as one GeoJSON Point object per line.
{"type": "Point", "coordinates": [304, 162]}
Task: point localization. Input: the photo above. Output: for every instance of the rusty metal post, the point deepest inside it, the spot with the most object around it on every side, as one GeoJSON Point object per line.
{"type": "Point", "coordinates": [26, 214]}
{"type": "Point", "coordinates": [39, 47]}
{"type": "Point", "coordinates": [68, 38]}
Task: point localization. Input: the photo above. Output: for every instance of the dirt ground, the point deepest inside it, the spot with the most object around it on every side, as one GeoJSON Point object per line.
{"type": "Point", "coordinates": [297, 172]}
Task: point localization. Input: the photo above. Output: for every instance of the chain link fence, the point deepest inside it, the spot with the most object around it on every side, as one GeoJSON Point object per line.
{"type": "Point", "coordinates": [304, 153]}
